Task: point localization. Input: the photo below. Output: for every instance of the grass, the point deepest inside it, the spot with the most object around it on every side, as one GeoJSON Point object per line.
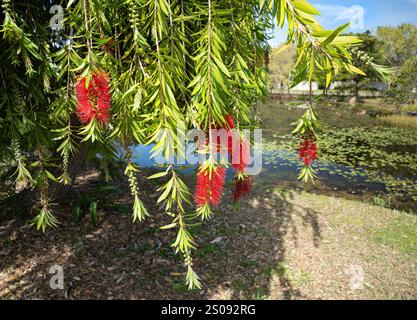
{"type": "Point", "coordinates": [297, 278]}
{"type": "Point", "coordinates": [208, 249]}
{"type": "Point", "coordinates": [382, 201]}
{"type": "Point", "coordinates": [180, 286]}
{"type": "Point", "coordinates": [408, 108]}
{"type": "Point", "coordinates": [402, 121]}
{"type": "Point", "coordinates": [400, 234]}
{"type": "Point", "coordinates": [120, 208]}
{"type": "Point", "coordinates": [259, 294]}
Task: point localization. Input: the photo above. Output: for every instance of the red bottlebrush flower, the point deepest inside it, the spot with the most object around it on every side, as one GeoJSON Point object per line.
{"type": "Point", "coordinates": [93, 101]}
{"type": "Point", "coordinates": [81, 90]}
{"type": "Point", "coordinates": [101, 81]}
{"type": "Point", "coordinates": [244, 156]}
{"type": "Point", "coordinates": [210, 187]}
{"type": "Point", "coordinates": [217, 184]}
{"type": "Point", "coordinates": [308, 149]}
{"type": "Point", "coordinates": [230, 121]}
{"type": "Point", "coordinates": [85, 111]}
{"type": "Point", "coordinates": [103, 113]}
{"type": "Point", "coordinates": [242, 188]}
{"type": "Point", "coordinates": [202, 195]}
{"type": "Point", "coordinates": [240, 153]}
{"type": "Point", "coordinates": [231, 125]}
{"type": "Point", "coordinates": [227, 126]}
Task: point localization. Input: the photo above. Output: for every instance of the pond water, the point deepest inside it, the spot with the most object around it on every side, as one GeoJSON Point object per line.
{"type": "Point", "coordinates": [358, 156]}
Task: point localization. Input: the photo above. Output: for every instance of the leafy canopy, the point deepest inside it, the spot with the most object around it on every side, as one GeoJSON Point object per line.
{"type": "Point", "coordinates": [169, 61]}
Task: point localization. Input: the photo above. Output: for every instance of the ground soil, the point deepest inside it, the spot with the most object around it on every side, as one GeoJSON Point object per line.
{"type": "Point", "coordinates": [280, 244]}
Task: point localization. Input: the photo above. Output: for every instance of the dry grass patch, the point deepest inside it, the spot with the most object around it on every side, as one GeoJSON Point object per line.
{"type": "Point", "coordinates": [399, 120]}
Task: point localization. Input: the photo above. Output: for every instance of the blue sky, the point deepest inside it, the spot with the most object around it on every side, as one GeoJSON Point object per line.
{"type": "Point", "coordinates": [369, 14]}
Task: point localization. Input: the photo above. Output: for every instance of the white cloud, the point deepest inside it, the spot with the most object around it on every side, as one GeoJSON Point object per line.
{"type": "Point", "coordinates": [331, 14]}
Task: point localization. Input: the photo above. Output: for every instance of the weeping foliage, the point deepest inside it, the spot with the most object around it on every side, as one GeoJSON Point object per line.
{"type": "Point", "coordinates": [167, 62]}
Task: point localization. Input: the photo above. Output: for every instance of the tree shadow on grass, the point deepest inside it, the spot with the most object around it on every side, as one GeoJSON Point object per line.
{"type": "Point", "coordinates": [254, 251]}
{"type": "Point", "coordinates": [241, 254]}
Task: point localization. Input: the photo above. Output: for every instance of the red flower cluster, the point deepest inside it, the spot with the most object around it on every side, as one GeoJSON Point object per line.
{"type": "Point", "coordinates": [244, 157]}
{"type": "Point", "coordinates": [242, 188]}
{"type": "Point", "coordinates": [308, 149]}
{"type": "Point", "coordinates": [210, 187]}
{"type": "Point", "coordinates": [228, 125]}
{"type": "Point", "coordinates": [230, 121]}
{"type": "Point", "coordinates": [93, 101]}
{"type": "Point", "coordinates": [243, 152]}
{"type": "Point", "coordinates": [243, 183]}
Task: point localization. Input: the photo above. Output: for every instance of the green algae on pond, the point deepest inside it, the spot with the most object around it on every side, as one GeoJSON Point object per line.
{"type": "Point", "coordinates": [353, 149]}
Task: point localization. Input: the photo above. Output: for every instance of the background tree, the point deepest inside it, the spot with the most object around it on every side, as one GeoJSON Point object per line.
{"type": "Point", "coordinates": [282, 62]}
{"type": "Point", "coordinates": [398, 45]}
{"type": "Point", "coordinates": [365, 56]}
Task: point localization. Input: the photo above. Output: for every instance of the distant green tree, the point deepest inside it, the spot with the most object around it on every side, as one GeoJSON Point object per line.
{"type": "Point", "coordinates": [282, 62]}
{"type": "Point", "coordinates": [398, 45]}
{"type": "Point", "coordinates": [368, 58]}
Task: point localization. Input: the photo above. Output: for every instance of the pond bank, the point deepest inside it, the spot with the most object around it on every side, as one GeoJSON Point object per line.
{"type": "Point", "coordinates": [374, 105]}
